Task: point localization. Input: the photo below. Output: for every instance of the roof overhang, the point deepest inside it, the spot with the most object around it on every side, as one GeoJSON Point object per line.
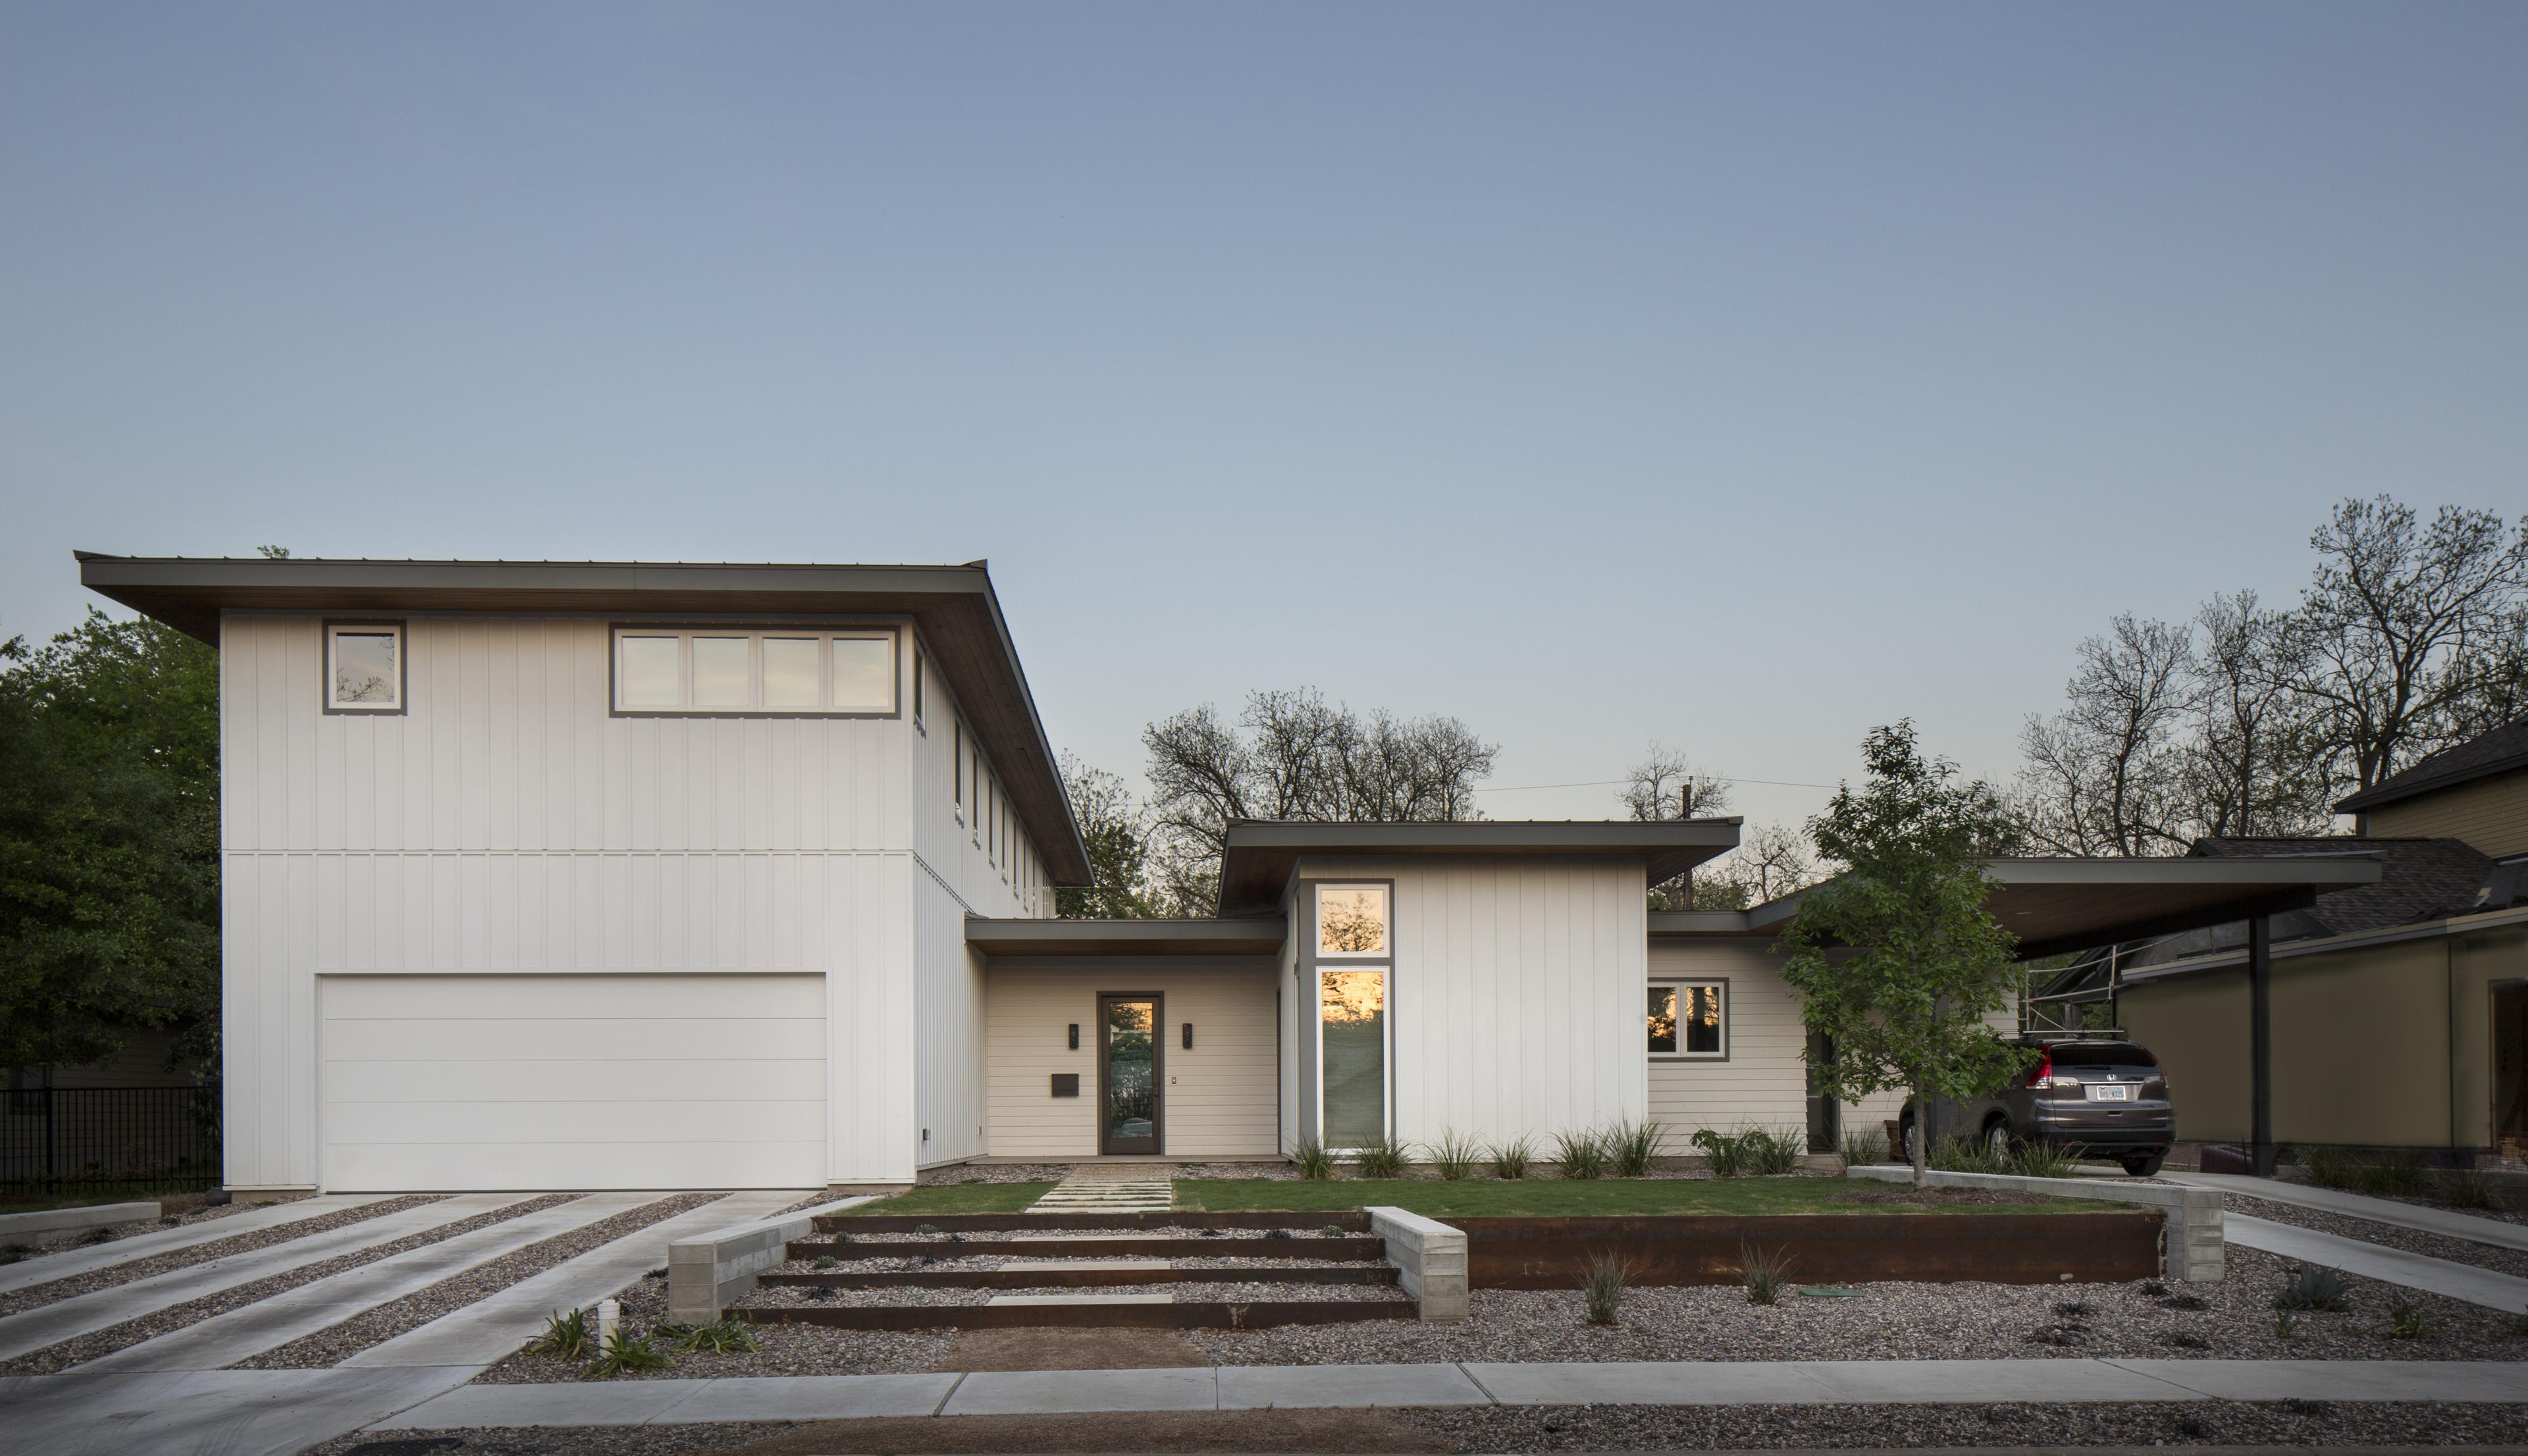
{"type": "Point", "coordinates": [1258, 935]}
{"type": "Point", "coordinates": [953, 608]}
{"type": "Point", "coordinates": [2054, 906]}
{"type": "Point", "coordinates": [1261, 854]}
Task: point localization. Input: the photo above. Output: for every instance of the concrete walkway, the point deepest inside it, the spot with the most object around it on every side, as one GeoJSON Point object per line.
{"type": "Point", "coordinates": [491, 1328]}
{"type": "Point", "coordinates": [2448, 1223]}
{"type": "Point", "coordinates": [1323, 1386]}
{"type": "Point", "coordinates": [269, 1324]}
{"type": "Point", "coordinates": [205, 1413]}
{"type": "Point", "coordinates": [1109, 1188]}
{"type": "Point", "coordinates": [68, 1319]}
{"type": "Point", "coordinates": [2465, 1281]}
{"type": "Point", "coordinates": [44, 1268]}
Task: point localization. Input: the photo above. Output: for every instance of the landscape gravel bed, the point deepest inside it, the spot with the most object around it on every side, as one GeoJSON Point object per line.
{"type": "Point", "coordinates": [579, 1440]}
{"type": "Point", "coordinates": [1038, 1235]}
{"type": "Point", "coordinates": [106, 1341]}
{"type": "Point", "coordinates": [785, 1350]}
{"type": "Point", "coordinates": [339, 1342]}
{"type": "Point", "coordinates": [2189, 1423]}
{"type": "Point", "coordinates": [814, 1296]}
{"type": "Point", "coordinates": [202, 1253]}
{"type": "Point", "coordinates": [995, 1172]}
{"type": "Point", "coordinates": [1891, 1321]}
{"type": "Point", "coordinates": [977, 1262]}
{"type": "Point", "coordinates": [174, 1211]}
{"type": "Point", "coordinates": [2512, 1262]}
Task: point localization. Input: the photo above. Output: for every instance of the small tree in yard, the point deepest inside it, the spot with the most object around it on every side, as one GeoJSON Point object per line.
{"type": "Point", "coordinates": [1895, 959]}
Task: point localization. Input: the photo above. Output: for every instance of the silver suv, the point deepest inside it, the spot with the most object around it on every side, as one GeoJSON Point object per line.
{"type": "Point", "coordinates": [2093, 1093]}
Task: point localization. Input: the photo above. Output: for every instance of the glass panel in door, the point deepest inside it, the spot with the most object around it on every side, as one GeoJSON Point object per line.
{"type": "Point", "coordinates": [1130, 1109]}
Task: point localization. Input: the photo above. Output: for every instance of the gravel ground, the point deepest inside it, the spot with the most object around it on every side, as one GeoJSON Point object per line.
{"type": "Point", "coordinates": [995, 1260]}
{"type": "Point", "coordinates": [1908, 1321]}
{"type": "Point", "coordinates": [218, 1248]}
{"type": "Point", "coordinates": [333, 1346]}
{"type": "Point", "coordinates": [2295, 1423]}
{"type": "Point", "coordinates": [2411, 1240]}
{"type": "Point", "coordinates": [1006, 1235]}
{"type": "Point", "coordinates": [787, 1350]}
{"type": "Point", "coordinates": [996, 1172]}
{"type": "Point", "coordinates": [799, 1296]}
{"type": "Point", "coordinates": [551, 1440]}
{"type": "Point", "coordinates": [106, 1341]}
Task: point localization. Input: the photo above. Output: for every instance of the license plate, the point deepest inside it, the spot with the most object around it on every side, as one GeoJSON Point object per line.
{"type": "Point", "coordinates": [2110, 1094]}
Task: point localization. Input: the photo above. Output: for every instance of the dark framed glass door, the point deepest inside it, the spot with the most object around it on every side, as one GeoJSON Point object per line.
{"type": "Point", "coordinates": [1129, 1059]}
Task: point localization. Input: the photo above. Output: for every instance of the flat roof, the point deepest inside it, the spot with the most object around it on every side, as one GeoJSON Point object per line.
{"type": "Point", "coordinates": [955, 608]}
{"type": "Point", "coordinates": [1262, 853]}
{"type": "Point", "coordinates": [1255, 935]}
{"type": "Point", "coordinates": [2054, 906]}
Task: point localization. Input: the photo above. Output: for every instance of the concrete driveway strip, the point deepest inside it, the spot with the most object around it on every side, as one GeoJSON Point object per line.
{"type": "Point", "coordinates": [1058, 1393]}
{"type": "Point", "coordinates": [68, 1319]}
{"type": "Point", "coordinates": [2465, 1281]}
{"type": "Point", "coordinates": [1264, 1387]}
{"type": "Point", "coordinates": [27, 1274]}
{"type": "Point", "coordinates": [1945, 1381]}
{"type": "Point", "coordinates": [640, 1402]}
{"type": "Point", "coordinates": [2344, 1379]}
{"type": "Point", "coordinates": [206, 1413]}
{"type": "Point", "coordinates": [493, 1328]}
{"type": "Point", "coordinates": [2448, 1223]}
{"type": "Point", "coordinates": [269, 1323]}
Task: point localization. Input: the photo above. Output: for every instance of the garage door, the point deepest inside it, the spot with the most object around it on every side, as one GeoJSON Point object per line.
{"type": "Point", "coordinates": [450, 1083]}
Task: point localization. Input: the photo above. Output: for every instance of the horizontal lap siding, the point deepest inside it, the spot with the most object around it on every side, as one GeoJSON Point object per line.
{"type": "Point", "coordinates": [1220, 1096]}
{"type": "Point", "coordinates": [1765, 1081]}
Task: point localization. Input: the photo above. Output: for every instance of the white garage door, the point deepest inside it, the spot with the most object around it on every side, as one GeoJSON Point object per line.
{"type": "Point", "coordinates": [453, 1083]}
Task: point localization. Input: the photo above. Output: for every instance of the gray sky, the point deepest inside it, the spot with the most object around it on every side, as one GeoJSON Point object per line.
{"type": "Point", "coordinates": [1735, 377]}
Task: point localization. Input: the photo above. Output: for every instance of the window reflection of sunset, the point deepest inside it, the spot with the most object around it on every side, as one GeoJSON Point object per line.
{"type": "Point", "coordinates": [1351, 921]}
{"type": "Point", "coordinates": [1351, 996]}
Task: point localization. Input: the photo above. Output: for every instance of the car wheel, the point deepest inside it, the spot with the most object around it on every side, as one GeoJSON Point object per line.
{"type": "Point", "coordinates": [2141, 1168]}
{"type": "Point", "coordinates": [1996, 1139]}
{"type": "Point", "coordinates": [1905, 1141]}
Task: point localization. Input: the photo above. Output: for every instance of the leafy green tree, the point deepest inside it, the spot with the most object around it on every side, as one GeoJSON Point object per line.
{"type": "Point", "coordinates": [109, 843]}
{"type": "Point", "coordinates": [1896, 960]}
{"type": "Point", "coordinates": [1116, 834]}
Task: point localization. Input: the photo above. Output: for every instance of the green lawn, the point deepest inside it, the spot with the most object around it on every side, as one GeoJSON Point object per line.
{"type": "Point", "coordinates": [1476, 1198]}
{"type": "Point", "coordinates": [957, 1198]}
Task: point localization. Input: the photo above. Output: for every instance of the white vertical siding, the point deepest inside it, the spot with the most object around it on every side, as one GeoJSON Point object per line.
{"type": "Point", "coordinates": [1516, 995]}
{"type": "Point", "coordinates": [948, 836]}
{"type": "Point", "coordinates": [506, 822]}
{"type": "Point", "coordinates": [949, 1029]}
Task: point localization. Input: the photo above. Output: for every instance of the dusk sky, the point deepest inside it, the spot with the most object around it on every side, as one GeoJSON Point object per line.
{"type": "Point", "coordinates": [1734, 377]}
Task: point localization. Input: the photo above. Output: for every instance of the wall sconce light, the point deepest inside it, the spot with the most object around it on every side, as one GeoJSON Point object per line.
{"type": "Point", "coordinates": [1188, 1037]}
{"type": "Point", "coordinates": [1074, 1036]}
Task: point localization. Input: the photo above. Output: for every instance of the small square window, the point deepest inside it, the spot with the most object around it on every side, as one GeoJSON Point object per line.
{"type": "Point", "coordinates": [1686, 1019]}
{"type": "Point", "coordinates": [364, 667]}
{"type": "Point", "coordinates": [1351, 920]}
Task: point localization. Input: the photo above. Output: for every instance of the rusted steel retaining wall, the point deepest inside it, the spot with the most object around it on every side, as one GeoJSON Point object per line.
{"type": "Point", "coordinates": [1540, 1253]}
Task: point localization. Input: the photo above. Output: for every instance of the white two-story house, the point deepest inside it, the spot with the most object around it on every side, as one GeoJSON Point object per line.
{"type": "Point", "coordinates": [617, 876]}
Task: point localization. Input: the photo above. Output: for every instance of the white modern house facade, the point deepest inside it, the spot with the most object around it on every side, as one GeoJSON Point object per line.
{"type": "Point", "coordinates": [591, 875]}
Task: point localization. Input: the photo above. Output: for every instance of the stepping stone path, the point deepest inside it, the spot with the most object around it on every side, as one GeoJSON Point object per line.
{"type": "Point", "coordinates": [1109, 1188]}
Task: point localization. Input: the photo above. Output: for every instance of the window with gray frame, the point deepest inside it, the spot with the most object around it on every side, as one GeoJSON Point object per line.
{"type": "Point", "coordinates": [1689, 1019]}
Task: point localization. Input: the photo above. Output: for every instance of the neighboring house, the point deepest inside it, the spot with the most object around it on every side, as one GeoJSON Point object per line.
{"type": "Point", "coordinates": [2399, 1010]}
{"type": "Point", "coordinates": [579, 875]}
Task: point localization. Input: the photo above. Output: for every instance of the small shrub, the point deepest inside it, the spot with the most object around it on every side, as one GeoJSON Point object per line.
{"type": "Point", "coordinates": [1771, 1153]}
{"type": "Point", "coordinates": [1964, 1155]}
{"type": "Point", "coordinates": [2043, 1160]}
{"type": "Point", "coordinates": [2154, 1289]}
{"type": "Point", "coordinates": [1863, 1148]}
{"type": "Point", "coordinates": [2312, 1288]}
{"type": "Point", "coordinates": [1602, 1285]}
{"type": "Point", "coordinates": [725, 1337]}
{"type": "Point", "coordinates": [1278, 1233]}
{"type": "Point", "coordinates": [1765, 1275]}
{"type": "Point", "coordinates": [1332, 1231]}
{"type": "Point", "coordinates": [2464, 1189]}
{"type": "Point", "coordinates": [1633, 1147]}
{"type": "Point", "coordinates": [1316, 1164]}
{"type": "Point", "coordinates": [2405, 1321]}
{"type": "Point", "coordinates": [925, 1229]}
{"type": "Point", "coordinates": [842, 1236]}
{"type": "Point", "coordinates": [656, 1273]}
{"type": "Point", "coordinates": [2071, 1309]}
{"type": "Point", "coordinates": [1211, 1232]}
{"type": "Point", "coordinates": [1579, 1154]}
{"type": "Point", "coordinates": [1510, 1158]}
{"type": "Point", "coordinates": [1380, 1158]}
{"type": "Point", "coordinates": [825, 1292]}
{"type": "Point", "coordinates": [1456, 1156]}
{"type": "Point", "coordinates": [625, 1351]}
{"type": "Point", "coordinates": [2330, 1167]}
{"type": "Point", "coordinates": [566, 1337]}
{"type": "Point", "coordinates": [2301, 1405]}
{"type": "Point", "coordinates": [1720, 1153]}
{"type": "Point", "coordinates": [2285, 1324]}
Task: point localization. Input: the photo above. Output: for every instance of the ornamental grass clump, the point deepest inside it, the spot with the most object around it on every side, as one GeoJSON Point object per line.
{"type": "Point", "coordinates": [625, 1352]}
{"type": "Point", "coordinates": [2043, 1160]}
{"type": "Point", "coordinates": [1510, 1158]}
{"type": "Point", "coordinates": [727, 1335]}
{"type": "Point", "coordinates": [566, 1337]}
{"type": "Point", "coordinates": [1316, 1164]}
{"type": "Point", "coordinates": [1767, 1275]}
{"type": "Point", "coordinates": [1380, 1158]}
{"type": "Point", "coordinates": [1602, 1282]}
{"type": "Point", "coordinates": [2312, 1288]}
{"type": "Point", "coordinates": [1866, 1148]}
{"type": "Point", "coordinates": [1456, 1156]}
{"type": "Point", "coordinates": [2406, 1322]}
{"type": "Point", "coordinates": [1751, 1152]}
{"type": "Point", "coordinates": [2464, 1189]}
{"type": "Point", "coordinates": [1579, 1154]}
{"type": "Point", "coordinates": [1633, 1147]}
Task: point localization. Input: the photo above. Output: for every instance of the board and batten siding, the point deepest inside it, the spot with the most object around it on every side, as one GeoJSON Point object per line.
{"type": "Point", "coordinates": [1517, 999]}
{"type": "Point", "coordinates": [2490, 814]}
{"type": "Point", "coordinates": [506, 822]}
{"type": "Point", "coordinates": [1220, 1096]}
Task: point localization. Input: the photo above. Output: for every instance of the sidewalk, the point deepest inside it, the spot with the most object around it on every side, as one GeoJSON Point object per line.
{"type": "Point", "coordinates": [2445, 1221]}
{"type": "Point", "coordinates": [1324, 1387]}
{"type": "Point", "coordinates": [2465, 1281]}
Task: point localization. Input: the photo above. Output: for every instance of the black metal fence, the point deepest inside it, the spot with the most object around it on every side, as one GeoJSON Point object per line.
{"type": "Point", "coordinates": [65, 1141]}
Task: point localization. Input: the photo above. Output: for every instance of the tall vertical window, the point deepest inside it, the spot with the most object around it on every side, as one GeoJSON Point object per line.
{"type": "Point", "coordinates": [740, 670]}
{"type": "Point", "coordinates": [1352, 1014]}
{"type": "Point", "coordinates": [921, 665]}
{"type": "Point", "coordinates": [364, 667]}
{"type": "Point", "coordinates": [959, 759]}
{"type": "Point", "coordinates": [1688, 1020]}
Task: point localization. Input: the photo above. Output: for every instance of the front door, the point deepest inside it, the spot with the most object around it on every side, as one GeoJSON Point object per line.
{"type": "Point", "coordinates": [1128, 1075]}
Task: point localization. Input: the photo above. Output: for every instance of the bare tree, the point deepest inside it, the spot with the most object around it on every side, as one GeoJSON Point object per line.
{"type": "Point", "coordinates": [2399, 622]}
{"type": "Point", "coordinates": [1666, 785]}
{"type": "Point", "coordinates": [2104, 776]}
{"type": "Point", "coordinates": [1770, 861]}
{"type": "Point", "coordinates": [2254, 764]}
{"type": "Point", "coordinates": [1293, 755]}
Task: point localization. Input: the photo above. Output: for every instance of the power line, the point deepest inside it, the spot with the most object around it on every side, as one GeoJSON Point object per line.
{"type": "Point", "coordinates": [1604, 783]}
